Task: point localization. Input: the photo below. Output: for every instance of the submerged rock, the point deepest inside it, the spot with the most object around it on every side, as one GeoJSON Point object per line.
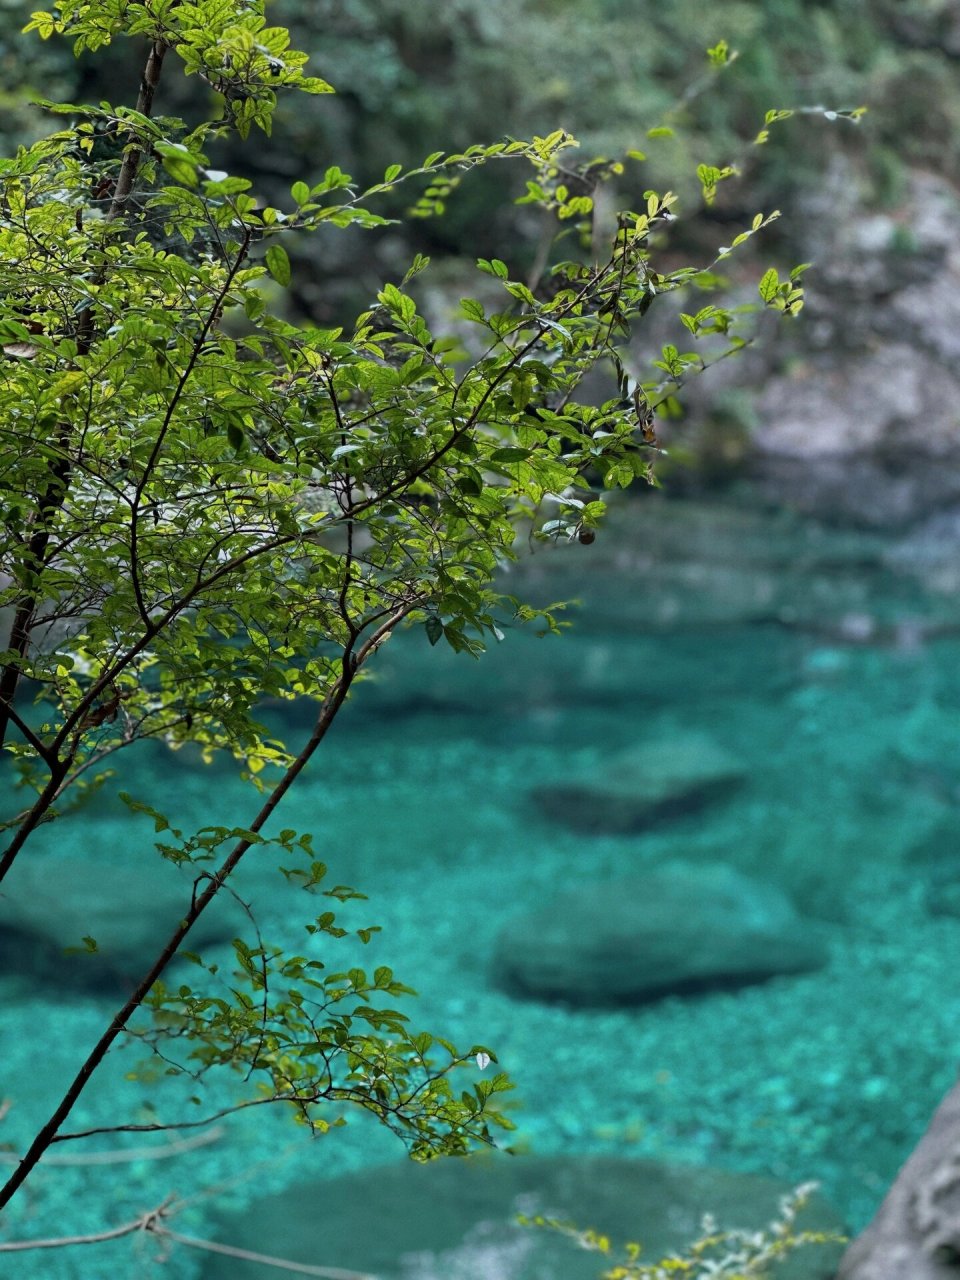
{"type": "Point", "coordinates": [48, 904]}
{"type": "Point", "coordinates": [456, 1219]}
{"type": "Point", "coordinates": [637, 787]}
{"type": "Point", "coordinates": [678, 928]}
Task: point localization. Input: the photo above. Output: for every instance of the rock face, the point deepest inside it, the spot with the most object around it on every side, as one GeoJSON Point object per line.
{"type": "Point", "coordinates": [856, 420]}
{"type": "Point", "coordinates": [679, 928]}
{"type": "Point", "coordinates": [455, 1219]}
{"type": "Point", "coordinates": [931, 553]}
{"type": "Point", "coordinates": [644, 784]}
{"type": "Point", "coordinates": [49, 903]}
{"type": "Point", "coordinates": [859, 424]}
{"type": "Point", "coordinates": [916, 1232]}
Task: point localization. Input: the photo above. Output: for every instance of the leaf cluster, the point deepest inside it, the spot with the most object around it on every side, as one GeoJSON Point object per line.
{"type": "Point", "coordinates": [322, 1043]}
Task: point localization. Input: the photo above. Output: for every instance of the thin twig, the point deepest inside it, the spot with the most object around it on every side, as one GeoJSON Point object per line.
{"type": "Point", "coordinates": [151, 1222]}
{"type": "Point", "coordinates": [175, 1148]}
{"type": "Point", "coordinates": [143, 1223]}
{"type": "Point", "coordinates": [231, 1251]}
{"type": "Point", "coordinates": [182, 1124]}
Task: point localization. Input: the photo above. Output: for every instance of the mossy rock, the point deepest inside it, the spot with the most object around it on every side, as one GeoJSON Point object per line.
{"type": "Point", "coordinates": [643, 785]}
{"type": "Point", "coordinates": [50, 903]}
{"type": "Point", "coordinates": [456, 1219]}
{"type": "Point", "coordinates": [679, 928]}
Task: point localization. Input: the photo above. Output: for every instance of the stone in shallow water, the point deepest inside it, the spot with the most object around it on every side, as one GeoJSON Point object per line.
{"type": "Point", "coordinates": [677, 928]}
{"type": "Point", "coordinates": [644, 784]}
{"type": "Point", "coordinates": [455, 1219]}
{"type": "Point", "coordinates": [48, 903]}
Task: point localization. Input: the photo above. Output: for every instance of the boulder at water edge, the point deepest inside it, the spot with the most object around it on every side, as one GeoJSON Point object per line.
{"type": "Point", "coordinates": [665, 778]}
{"type": "Point", "coordinates": [680, 927]}
{"type": "Point", "coordinates": [916, 1232]}
{"type": "Point", "coordinates": [456, 1219]}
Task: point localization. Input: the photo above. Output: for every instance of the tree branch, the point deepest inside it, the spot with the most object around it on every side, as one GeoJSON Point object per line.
{"type": "Point", "coordinates": [55, 493]}
{"type": "Point", "coordinates": [145, 1222]}
{"type": "Point", "coordinates": [231, 1251]}
{"type": "Point", "coordinates": [46, 755]}
{"type": "Point", "coordinates": [351, 663]}
{"type": "Point", "coordinates": [126, 1155]}
{"type": "Point", "coordinates": [132, 158]}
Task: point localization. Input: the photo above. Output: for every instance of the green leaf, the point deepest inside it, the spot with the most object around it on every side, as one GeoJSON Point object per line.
{"type": "Point", "coordinates": [472, 309]}
{"type": "Point", "coordinates": [769, 285]}
{"type": "Point", "coordinates": [278, 264]}
{"type": "Point", "coordinates": [434, 629]}
{"type": "Point", "coordinates": [510, 454]}
{"type": "Point", "coordinates": [180, 169]}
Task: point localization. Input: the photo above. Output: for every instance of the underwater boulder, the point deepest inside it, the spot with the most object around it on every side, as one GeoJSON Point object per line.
{"type": "Point", "coordinates": [456, 1219]}
{"type": "Point", "coordinates": [50, 903]}
{"type": "Point", "coordinates": [678, 928]}
{"type": "Point", "coordinates": [668, 778]}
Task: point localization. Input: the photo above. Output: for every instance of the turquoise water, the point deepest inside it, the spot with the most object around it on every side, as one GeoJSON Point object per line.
{"type": "Point", "coordinates": [835, 680]}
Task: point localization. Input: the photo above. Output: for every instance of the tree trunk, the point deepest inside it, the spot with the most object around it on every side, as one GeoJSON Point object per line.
{"type": "Point", "coordinates": [916, 1232]}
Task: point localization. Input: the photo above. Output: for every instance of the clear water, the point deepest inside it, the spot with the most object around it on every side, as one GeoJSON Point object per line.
{"type": "Point", "coordinates": [835, 679]}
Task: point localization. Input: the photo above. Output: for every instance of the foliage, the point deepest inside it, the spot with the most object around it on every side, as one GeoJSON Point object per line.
{"type": "Point", "coordinates": [205, 505]}
{"type": "Point", "coordinates": [717, 1254]}
{"type": "Point", "coordinates": [414, 75]}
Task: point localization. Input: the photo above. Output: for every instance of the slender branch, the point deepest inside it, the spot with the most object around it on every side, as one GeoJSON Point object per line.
{"type": "Point", "coordinates": [34, 562]}
{"type": "Point", "coordinates": [35, 815]}
{"type": "Point", "coordinates": [133, 156]}
{"type": "Point", "coordinates": [38, 811]}
{"type": "Point", "coordinates": [166, 1128]}
{"type": "Point", "coordinates": [152, 1222]}
{"type": "Point", "coordinates": [45, 754]}
{"type": "Point", "coordinates": [145, 1222]}
{"type": "Point", "coordinates": [125, 1156]}
{"type": "Point", "coordinates": [346, 502]}
{"type": "Point", "coordinates": [215, 310]}
{"type": "Point", "coordinates": [265, 1260]}
{"type": "Point", "coordinates": [474, 416]}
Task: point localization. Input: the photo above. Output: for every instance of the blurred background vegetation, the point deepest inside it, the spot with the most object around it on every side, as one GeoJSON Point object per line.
{"type": "Point", "coordinates": [413, 77]}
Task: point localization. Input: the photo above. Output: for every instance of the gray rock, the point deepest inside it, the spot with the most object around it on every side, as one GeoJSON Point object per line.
{"type": "Point", "coordinates": [455, 1219]}
{"type": "Point", "coordinates": [665, 778]}
{"type": "Point", "coordinates": [916, 1232]}
{"type": "Point", "coordinates": [884, 296]}
{"type": "Point", "coordinates": [856, 420]}
{"type": "Point", "coordinates": [864, 257]}
{"type": "Point", "coordinates": [931, 553]}
{"type": "Point", "coordinates": [679, 928]}
{"type": "Point", "coordinates": [889, 400]}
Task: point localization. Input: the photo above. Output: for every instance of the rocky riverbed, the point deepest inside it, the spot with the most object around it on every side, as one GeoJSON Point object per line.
{"type": "Point", "coordinates": [808, 679]}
